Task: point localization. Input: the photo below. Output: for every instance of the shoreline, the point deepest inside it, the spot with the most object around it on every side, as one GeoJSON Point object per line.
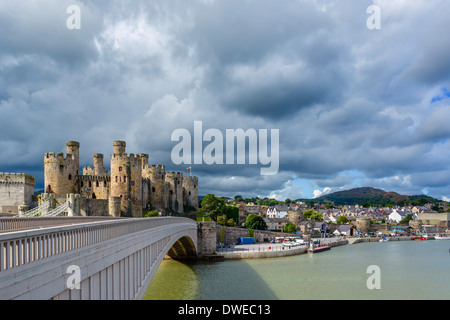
{"type": "Point", "coordinates": [269, 250]}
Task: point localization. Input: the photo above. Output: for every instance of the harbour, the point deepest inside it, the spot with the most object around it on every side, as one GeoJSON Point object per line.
{"type": "Point", "coordinates": [413, 270]}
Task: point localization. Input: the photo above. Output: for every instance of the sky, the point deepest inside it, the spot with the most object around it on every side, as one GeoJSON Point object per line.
{"type": "Point", "coordinates": [354, 105]}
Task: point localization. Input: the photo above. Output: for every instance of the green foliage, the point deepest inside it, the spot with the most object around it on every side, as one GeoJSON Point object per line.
{"type": "Point", "coordinates": [232, 213]}
{"type": "Point", "coordinates": [255, 222]}
{"type": "Point", "coordinates": [251, 233]}
{"type": "Point", "coordinates": [148, 214]}
{"type": "Point", "coordinates": [311, 214]}
{"type": "Point", "coordinates": [258, 201]}
{"type": "Point", "coordinates": [406, 219]}
{"type": "Point", "coordinates": [342, 220]}
{"type": "Point", "coordinates": [289, 227]}
{"type": "Point", "coordinates": [212, 206]}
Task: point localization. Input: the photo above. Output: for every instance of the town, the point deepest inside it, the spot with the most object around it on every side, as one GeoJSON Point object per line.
{"type": "Point", "coordinates": [314, 219]}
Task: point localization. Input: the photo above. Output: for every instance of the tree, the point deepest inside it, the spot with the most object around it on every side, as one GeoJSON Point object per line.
{"type": "Point", "coordinates": [406, 219]}
{"type": "Point", "coordinates": [311, 214]}
{"type": "Point", "coordinates": [255, 222]}
{"type": "Point", "coordinates": [289, 227]}
{"type": "Point", "coordinates": [342, 220]}
{"type": "Point", "coordinates": [232, 213]}
{"type": "Point", "coordinates": [212, 206]}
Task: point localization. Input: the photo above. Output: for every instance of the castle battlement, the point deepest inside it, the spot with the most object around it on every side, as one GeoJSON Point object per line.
{"type": "Point", "coordinates": [57, 156]}
{"type": "Point", "coordinates": [174, 175]}
{"type": "Point", "coordinates": [21, 178]}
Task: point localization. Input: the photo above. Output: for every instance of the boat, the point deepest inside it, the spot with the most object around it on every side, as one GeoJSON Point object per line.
{"type": "Point", "coordinates": [419, 238]}
{"type": "Point", "coordinates": [442, 236]}
{"type": "Point", "coordinates": [383, 240]}
{"type": "Point", "coordinates": [319, 249]}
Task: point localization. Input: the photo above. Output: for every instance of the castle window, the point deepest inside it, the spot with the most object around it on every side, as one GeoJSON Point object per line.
{"type": "Point", "coordinates": [82, 183]}
{"type": "Point", "coordinates": [124, 178]}
{"type": "Point", "coordinates": [120, 169]}
{"type": "Point", "coordinates": [132, 183]}
{"type": "Point", "coordinates": [117, 179]}
{"type": "Point", "coordinates": [195, 186]}
{"type": "Point", "coordinates": [178, 182]}
{"type": "Point", "coordinates": [171, 192]}
{"type": "Point", "coordinates": [104, 184]}
{"type": "Point", "coordinates": [94, 196]}
{"type": "Point", "coordinates": [97, 184]}
{"type": "Point", "coordinates": [70, 177]}
{"type": "Point", "coordinates": [153, 189]}
{"type": "Point", "coordinates": [189, 193]}
{"type": "Point", "coordinates": [90, 184]}
{"type": "Point", "coordinates": [61, 168]}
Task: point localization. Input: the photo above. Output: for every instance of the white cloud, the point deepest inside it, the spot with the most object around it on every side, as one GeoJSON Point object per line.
{"type": "Point", "coordinates": [318, 193]}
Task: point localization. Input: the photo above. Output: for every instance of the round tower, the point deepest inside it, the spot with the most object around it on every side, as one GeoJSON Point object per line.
{"type": "Point", "coordinates": [72, 164]}
{"type": "Point", "coordinates": [119, 147]}
{"type": "Point", "coordinates": [136, 184]}
{"type": "Point", "coordinates": [99, 170]}
{"type": "Point", "coordinates": [120, 177]}
{"type": "Point", "coordinates": [190, 191]}
{"type": "Point", "coordinates": [175, 190]}
{"type": "Point", "coordinates": [156, 176]}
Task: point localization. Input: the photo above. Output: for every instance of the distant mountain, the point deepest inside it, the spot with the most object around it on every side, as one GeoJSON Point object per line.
{"type": "Point", "coordinates": [373, 196]}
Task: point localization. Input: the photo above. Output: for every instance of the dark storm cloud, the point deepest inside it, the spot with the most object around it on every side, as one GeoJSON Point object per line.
{"type": "Point", "coordinates": [353, 106]}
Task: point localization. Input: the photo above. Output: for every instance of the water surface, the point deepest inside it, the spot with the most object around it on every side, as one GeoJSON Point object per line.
{"type": "Point", "coordinates": [408, 269]}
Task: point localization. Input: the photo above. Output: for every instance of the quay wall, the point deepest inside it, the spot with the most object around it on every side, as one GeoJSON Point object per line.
{"type": "Point", "coordinates": [262, 254]}
{"type": "Point", "coordinates": [232, 234]}
{"type": "Point", "coordinates": [376, 239]}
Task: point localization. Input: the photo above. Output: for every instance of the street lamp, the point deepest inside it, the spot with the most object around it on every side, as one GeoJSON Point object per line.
{"type": "Point", "coordinates": [88, 192]}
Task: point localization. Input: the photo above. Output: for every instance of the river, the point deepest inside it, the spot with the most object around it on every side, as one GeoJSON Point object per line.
{"type": "Point", "coordinates": [407, 270]}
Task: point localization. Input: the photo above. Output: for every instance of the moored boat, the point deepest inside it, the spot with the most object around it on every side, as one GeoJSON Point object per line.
{"type": "Point", "coordinates": [319, 249]}
{"type": "Point", "coordinates": [442, 236]}
{"type": "Point", "coordinates": [383, 240]}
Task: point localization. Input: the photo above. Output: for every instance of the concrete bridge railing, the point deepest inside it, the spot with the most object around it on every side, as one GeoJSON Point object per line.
{"type": "Point", "coordinates": [113, 259]}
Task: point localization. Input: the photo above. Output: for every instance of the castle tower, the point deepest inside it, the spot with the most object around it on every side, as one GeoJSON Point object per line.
{"type": "Point", "coordinates": [126, 180]}
{"type": "Point", "coordinates": [154, 176]}
{"type": "Point", "coordinates": [175, 191]}
{"type": "Point", "coordinates": [60, 171]}
{"type": "Point", "coordinates": [99, 170]}
{"type": "Point", "coordinates": [190, 191]}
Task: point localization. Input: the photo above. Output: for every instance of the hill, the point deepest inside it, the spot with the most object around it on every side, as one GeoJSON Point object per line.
{"type": "Point", "coordinates": [373, 196]}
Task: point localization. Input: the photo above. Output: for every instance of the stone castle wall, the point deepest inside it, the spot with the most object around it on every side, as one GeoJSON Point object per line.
{"type": "Point", "coordinates": [15, 189]}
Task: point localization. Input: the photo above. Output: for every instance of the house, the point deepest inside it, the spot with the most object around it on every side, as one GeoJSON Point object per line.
{"type": "Point", "coordinates": [395, 216]}
{"type": "Point", "coordinates": [278, 211]}
{"type": "Point", "coordinates": [346, 230]}
{"type": "Point", "coordinates": [320, 227]}
{"type": "Point", "coordinates": [276, 223]}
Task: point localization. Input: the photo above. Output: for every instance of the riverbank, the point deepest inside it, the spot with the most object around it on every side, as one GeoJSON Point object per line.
{"type": "Point", "coordinates": [270, 250]}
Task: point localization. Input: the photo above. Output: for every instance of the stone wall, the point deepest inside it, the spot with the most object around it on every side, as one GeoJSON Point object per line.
{"type": "Point", "coordinates": [15, 189]}
{"type": "Point", "coordinates": [232, 234]}
{"type": "Point", "coordinates": [206, 238]}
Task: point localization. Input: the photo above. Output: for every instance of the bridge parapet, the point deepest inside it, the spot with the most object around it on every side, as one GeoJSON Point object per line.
{"type": "Point", "coordinates": [117, 258]}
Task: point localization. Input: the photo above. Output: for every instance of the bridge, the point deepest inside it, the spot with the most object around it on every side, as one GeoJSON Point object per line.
{"type": "Point", "coordinates": [88, 258]}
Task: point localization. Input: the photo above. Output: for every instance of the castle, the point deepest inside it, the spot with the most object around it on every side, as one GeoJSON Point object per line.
{"type": "Point", "coordinates": [132, 184]}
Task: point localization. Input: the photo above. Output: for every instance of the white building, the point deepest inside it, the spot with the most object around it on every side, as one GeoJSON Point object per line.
{"type": "Point", "coordinates": [277, 212]}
